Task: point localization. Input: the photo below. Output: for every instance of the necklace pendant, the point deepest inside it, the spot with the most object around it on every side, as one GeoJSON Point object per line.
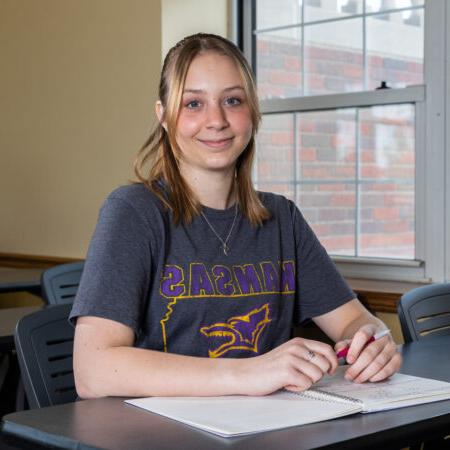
{"type": "Point", "coordinates": [224, 246]}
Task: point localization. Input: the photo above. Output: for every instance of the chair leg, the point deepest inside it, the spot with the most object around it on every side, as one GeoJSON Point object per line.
{"type": "Point", "coordinates": [10, 380]}
{"type": "Point", "coordinates": [21, 398]}
{"type": "Point", "coordinates": [4, 367]}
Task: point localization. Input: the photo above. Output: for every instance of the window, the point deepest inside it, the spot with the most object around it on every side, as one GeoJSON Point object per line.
{"type": "Point", "coordinates": [333, 46]}
{"type": "Point", "coordinates": [351, 117]}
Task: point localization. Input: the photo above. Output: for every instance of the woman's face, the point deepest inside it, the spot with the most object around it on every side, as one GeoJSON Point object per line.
{"type": "Point", "coordinates": [214, 124]}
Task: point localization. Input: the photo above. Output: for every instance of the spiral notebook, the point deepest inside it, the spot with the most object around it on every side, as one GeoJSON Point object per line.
{"type": "Point", "coordinates": [331, 397]}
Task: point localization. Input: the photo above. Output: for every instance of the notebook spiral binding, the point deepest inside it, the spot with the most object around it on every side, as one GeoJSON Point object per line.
{"type": "Point", "coordinates": [318, 394]}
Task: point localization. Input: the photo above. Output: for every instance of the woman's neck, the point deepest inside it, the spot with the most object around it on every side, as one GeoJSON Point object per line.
{"type": "Point", "coordinates": [213, 189]}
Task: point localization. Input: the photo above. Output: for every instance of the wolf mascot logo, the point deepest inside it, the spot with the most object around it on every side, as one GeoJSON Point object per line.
{"type": "Point", "coordinates": [240, 332]}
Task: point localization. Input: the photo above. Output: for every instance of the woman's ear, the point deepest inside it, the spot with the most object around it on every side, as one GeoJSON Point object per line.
{"type": "Point", "coordinates": [159, 109]}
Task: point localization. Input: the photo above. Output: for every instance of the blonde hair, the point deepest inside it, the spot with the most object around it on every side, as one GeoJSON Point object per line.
{"type": "Point", "coordinates": [161, 151]}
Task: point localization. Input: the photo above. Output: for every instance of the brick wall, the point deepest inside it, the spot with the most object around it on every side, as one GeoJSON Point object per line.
{"type": "Point", "coordinates": [375, 200]}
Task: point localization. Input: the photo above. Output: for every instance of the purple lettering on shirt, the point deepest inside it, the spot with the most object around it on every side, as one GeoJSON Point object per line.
{"type": "Point", "coordinates": [247, 279]}
{"type": "Point", "coordinates": [172, 281]}
{"type": "Point", "coordinates": [200, 281]}
{"type": "Point", "coordinates": [224, 280]}
{"type": "Point", "coordinates": [271, 278]}
{"type": "Point", "coordinates": [287, 276]}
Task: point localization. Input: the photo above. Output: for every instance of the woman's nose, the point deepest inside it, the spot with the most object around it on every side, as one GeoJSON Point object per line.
{"type": "Point", "coordinates": [217, 118]}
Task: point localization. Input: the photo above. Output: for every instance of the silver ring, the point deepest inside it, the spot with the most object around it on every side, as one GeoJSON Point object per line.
{"type": "Point", "coordinates": [311, 354]}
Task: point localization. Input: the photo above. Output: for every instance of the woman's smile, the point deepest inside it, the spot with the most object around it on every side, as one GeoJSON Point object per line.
{"type": "Point", "coordinates": [217, 143]}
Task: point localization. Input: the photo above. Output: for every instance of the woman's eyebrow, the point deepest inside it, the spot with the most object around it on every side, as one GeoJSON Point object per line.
{"type": "Point", "coordinates": [201, 91]}
{"type": "Point", "coordinates": [232, 88]}
{"type": "Point", "coordinates": [193, 91]}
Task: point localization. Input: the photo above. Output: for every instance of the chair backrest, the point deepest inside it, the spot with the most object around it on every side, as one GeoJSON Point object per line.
{"type": "Point", "coordinates": [425, 312]}
{"type": "Point", "coordinates": [44, 346]}
{"type": "Point", "coordinates": [59, 284]}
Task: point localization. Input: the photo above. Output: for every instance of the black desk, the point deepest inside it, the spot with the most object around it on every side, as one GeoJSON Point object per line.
{"type": "Point", "coordinates": [17, 279]}
{"type": "Point", "coordinates": [110, 424]}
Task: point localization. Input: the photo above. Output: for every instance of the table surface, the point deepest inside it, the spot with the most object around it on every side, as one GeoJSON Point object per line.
{"type": "Point", "coordinates": [20, 279]}
{"type": "Point", "coordinates": [108, 423]}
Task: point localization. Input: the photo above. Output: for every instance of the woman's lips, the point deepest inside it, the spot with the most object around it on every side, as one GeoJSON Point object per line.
{"type": "Point", "coordinates": [216, 143]}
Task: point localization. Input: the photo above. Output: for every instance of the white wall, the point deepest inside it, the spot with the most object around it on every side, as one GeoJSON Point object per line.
{"type": "Point", "coordinates": [181, 18]}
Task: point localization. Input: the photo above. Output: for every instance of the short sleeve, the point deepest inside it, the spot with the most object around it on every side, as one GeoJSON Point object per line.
{"type": "Point", "coordinates": [320, 287]}
{"type": "Point", "coordinates": [116, 275]}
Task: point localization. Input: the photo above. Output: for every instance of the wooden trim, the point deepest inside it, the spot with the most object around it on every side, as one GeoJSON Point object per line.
{"type": "Point", "coordinates": [381, 296]}
{"type": "Point", "coordinates": [32, 261]}
{"type": "Point", "coordinates": [376, 302]}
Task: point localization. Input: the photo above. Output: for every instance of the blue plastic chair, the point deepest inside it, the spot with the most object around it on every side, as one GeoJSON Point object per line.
{"type": "Point", "coordinates": [44, 346]}
{"type": "Point", "coordinates": [59, 284]}
{"type": "Point", "coordinates": [425, 312]}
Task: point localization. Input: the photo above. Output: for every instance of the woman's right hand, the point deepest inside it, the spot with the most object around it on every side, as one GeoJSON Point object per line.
{"type": "Point", "coordinates": [295, 365]}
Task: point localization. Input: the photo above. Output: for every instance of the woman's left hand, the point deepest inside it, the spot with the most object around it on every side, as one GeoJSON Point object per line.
{"type": "Point", "coordinates": [373, 362]}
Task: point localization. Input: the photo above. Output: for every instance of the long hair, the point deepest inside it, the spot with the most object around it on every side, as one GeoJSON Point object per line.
{"type": "Point", "coordinates": [160, 153]}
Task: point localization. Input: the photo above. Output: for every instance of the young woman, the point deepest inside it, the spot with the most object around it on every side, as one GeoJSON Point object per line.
{"type": "Point", "coordinates": [193, 280]}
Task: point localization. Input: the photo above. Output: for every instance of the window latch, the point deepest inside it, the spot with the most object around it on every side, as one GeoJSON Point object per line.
{"type": "Point", "coordinates": [383, 85]}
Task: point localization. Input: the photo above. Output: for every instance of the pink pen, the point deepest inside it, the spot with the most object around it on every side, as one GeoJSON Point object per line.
{"type": "Point", "coordinates": [343, 353]}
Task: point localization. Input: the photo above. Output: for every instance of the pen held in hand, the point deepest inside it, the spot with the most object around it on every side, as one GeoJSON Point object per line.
{"type": "Point", "coordinates": [343, 353]}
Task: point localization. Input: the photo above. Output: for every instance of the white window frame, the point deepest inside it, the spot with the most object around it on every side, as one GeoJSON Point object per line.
{"type": "Point", "coordinates": [447, 145]}
{"type": "Point", "coordinates": [432, 181]}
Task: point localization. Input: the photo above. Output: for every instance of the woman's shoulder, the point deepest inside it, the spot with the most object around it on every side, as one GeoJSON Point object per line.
{"type": "Point", "coordinates": [276, 202]}
{"type": "Point", "coordinates": [136, 195]}
{"type": "Point", "coordinates": [138, 200]}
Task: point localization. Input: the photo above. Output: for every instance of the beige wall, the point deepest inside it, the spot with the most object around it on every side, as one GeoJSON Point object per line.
{"type": "Point", "coordinates": [77, 85]}
{"type": "Point", "coordinates": [183, 17]}
{"type": "Point", "coordinates": [392, 322]}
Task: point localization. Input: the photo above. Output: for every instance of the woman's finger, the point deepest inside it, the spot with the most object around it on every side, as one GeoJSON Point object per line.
{"type": "Point", "coordinates": [358, 343]}
{"type": "Point", "coordinates": [376, 366]}
{"type": "Point", "coordinates": [389, 369]}
{"type": "Point", "coordinates": [373, 358]}
{"type": "Point", "coordinates": [364, 359]}
{"type": "Point", "coordinates": [314, 365]}
{"type": "Point", "coordinates": [342, 344]}
{"type": "Point", "coordinates": [326, 352]}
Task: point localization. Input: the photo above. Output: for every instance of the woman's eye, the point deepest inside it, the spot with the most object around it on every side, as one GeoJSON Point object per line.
{"type": "Point", "coordinates": [193, 104]}
{"type": "Point", "coordinates": [233, 101]}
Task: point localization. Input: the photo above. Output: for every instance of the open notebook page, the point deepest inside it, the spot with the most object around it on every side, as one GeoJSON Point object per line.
{"type": "Point", "coordinates": [239, 415]}
{"type": "Point", "coordinates": [398, 391]}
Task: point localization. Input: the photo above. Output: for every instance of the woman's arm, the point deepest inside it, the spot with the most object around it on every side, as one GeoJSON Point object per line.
{"type": "Point", "coordinates": [352, 324]}
{"type": "Point", "coordinates": [107, 364]}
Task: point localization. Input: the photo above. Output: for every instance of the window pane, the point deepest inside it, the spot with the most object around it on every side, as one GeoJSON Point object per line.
{"type": "Point", "coordinates": [275, 167]}
{"type": "Point", "coordinates": [388, 177]}
{"type": "Point", "coordinates": [330, 210]}
{"type": "Point", "coordinates": [326, 9]}
{"type": "Point", "coordinates": [383, 5]}
{"type": "Point", "coordinates": [395, 49]}
{"type": "Point", "coordinates": [270, 13]}
{"type": "Point", "coordinates": [278, 63]}
{"type": "Point", "coordinates": [327, 142]}
{"type": "Point", "coordinates": [326, 194]}
{"type": "Point", "coordinates": [387, 221]}
{"type": "Point", "coordinates": [334, 57]}
{"type": "Point", "coordinates": [354, 172]}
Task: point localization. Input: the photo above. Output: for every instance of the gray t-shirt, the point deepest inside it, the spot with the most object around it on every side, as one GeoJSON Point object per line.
{"type": "Point", "coordinates": [178, 291]}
